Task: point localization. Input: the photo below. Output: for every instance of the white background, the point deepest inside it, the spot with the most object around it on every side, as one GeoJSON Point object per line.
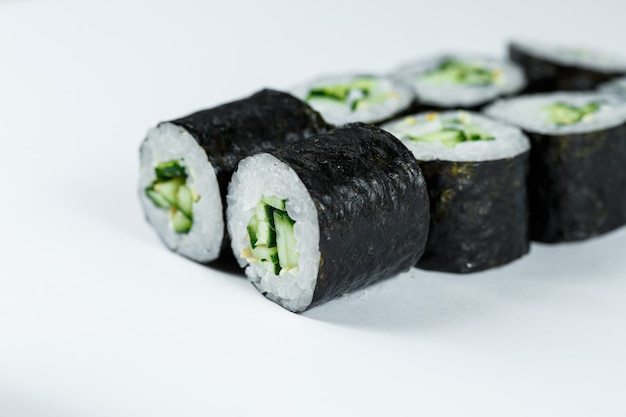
{"type": "Point", "coordinates": [97, 318]}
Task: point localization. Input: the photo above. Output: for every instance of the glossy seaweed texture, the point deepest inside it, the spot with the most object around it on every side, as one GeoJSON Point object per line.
{"type": "Point", "coordinates": [233, 131]}
{"type": "Point", "coordinates": [577, 184]}
{"type": "Point", "coordinates": [479, 214]}
{"type": "Point", "coordinates": [371, 201]}
{"type": "Point", "coordinates": [544, 75]}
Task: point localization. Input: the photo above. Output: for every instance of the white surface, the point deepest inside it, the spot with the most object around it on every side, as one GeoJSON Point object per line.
{"type": "Point", "coordinates": [97, 318]}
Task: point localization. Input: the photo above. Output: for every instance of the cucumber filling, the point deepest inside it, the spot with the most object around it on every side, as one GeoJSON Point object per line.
{"type": "Point", "coordinates": [356, 95]}
{"type": "Point", "coordinates": [170, 191]}
{"type": "Point", "coordinates": [452, 132]}
{"type": "Point", "coordinates": [272, 238]}
{"type": "Point", "coordinates": [457, 72]}
{"type": "Point", "coordinates": [563, 114]}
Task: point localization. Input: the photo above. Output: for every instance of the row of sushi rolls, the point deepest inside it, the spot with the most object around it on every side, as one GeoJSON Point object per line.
{"type": "Point", "coordinates": [451, 163]}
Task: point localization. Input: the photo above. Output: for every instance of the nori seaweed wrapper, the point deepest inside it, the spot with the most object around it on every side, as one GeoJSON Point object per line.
{"type": "Point", "coordinates": [421, 107]}
{"type": "Point", "coordinates": [577, 184]}
{"type": "Point", "coordinates": [235, 130]}
{"type": "Point", "coordinates": [479, 213]}
{"type": "Point", "coordinates": [371, 201]}
{"type": "Point", "coordinates": [545, 75]}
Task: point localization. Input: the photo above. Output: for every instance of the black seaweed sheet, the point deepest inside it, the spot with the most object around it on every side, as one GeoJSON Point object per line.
{"type": "Point", "coordinates": [233, 131]}
{"type": "Point", "coordinates": [479, 214]}
{"type": "Point", "coordinates": [371, 202]}
{"type": "Point", "coordinates": [422, 107]}
{"type": "Point", "coordinates": [577, 184]}
{"type": "Point", "coordinates": [545, 75]}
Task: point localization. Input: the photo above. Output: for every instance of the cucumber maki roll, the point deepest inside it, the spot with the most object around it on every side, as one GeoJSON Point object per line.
{"type": "Point", "coordinates": [475, 169]}
{"type": "Point", "coordinates": [340, 211]}
{"type": "Point", "coordinates": [345, 99]}
{"type": "Point", "coordinates": [577, 180]}
{"type": "Point", "coordinates": [186, 165]}
{"type": "Point", "coordinates": [454, 81]}
{"type": "Point", "coordinates": [550, 67]}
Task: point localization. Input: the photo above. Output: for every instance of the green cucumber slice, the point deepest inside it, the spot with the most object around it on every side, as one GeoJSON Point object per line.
{"type": "Point", "coordinates": [453, 71]}
{"type": "Point", "coordinates": [263, 253]}
{"type": "Point", "coordinates": [180, 222]}
{"type": "Point", "coordinates": [269, 225]}
{"type": "Point", "coordinates": [285, 240]}
{"type": "Point", "coordinates": [271, 264]}
{"type": "Point", "coordinates": [336, 92]}
{"type": "Point", "coordinates": [563, 114]}
{"type": "Point", "coordinates": [454, 132]}
{"type": "Point", "coordinates": [267, 257]}
{"type": "Point", "coordinates": [364, 84]}
{"type": "Point", "coordinates": [185, 201]}
{"type": "Point", "coordinates": [169, 189]}
{"type": "Point", "coordinates": [169, 170]}
{"type": "Point", "coordinates": [265, 233]}
{"type": "Point", "coordinates": [274, 201]}
{"type": "Point", "coordinates": [157, 198]}
{"type": "Point", "coordinates": [368, 100]}
{"type": "Point", "coordinates": [341, 92]}
{"type": "Point", "coordinates": [252, 228]}
{"type": "Point", "coordinates": [474, 133]}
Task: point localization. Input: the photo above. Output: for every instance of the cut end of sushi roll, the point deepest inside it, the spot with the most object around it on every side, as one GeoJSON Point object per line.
{"type": "Point", "coordinates": [560, 113]}
{"type": "Point", "coordinates": [274, 230]}
{"type": "Point", "coordinates": [458, 136]}
{"type": "Point", "coordinates": [177, 186]}
{"type": "Point", "coordinates": [346, 99]}
{"type": "Point", "coordinates": [458, 80]}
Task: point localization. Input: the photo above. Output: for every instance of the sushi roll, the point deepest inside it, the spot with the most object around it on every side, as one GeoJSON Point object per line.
{"type": "Point", "coordinates": [335, 213]}
{"type": "Point", "coordinates": [353, 98]}
{"type": "Point", "coordinates": [452, 81]}
{"type": "Point", "coordinates": [475, 169]}
{"type": "Point", "coordinates": [186, 165]}
{"type": "Point", "coordinates": [577, 179]}
{"type": "Point", "coordinates": [551, 67]}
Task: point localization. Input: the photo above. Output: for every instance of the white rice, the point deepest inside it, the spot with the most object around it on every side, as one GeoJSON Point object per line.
{"type": "Point", "coordinates": [528, 112]}
{"type": "Point", "coordinates": [511, 80]}
{"type": "Point", "coordinates": [263, 174]}
{"type": "Point", "coordinates": [616, 87]}
{"type": "Point", "coordinates": [508, 141]}
{"type": "Point", "coordinates": [169, 142]}
{"type": "Point", "coordinates": [575, 56]}
{"type": "Point", "coordinates": [400, 96]}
